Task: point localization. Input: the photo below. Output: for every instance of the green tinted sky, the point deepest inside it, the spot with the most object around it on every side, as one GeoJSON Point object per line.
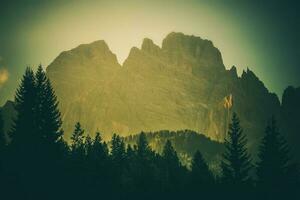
{"type": "Point", "coordinates": [261, 35]}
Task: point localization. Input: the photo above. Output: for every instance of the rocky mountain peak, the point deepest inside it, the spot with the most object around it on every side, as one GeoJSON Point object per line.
{"type": "Point", "coordinates": [179, 86]}
{"type": "Point", "coordinates": [149, 47]}
{"type": "Point", "coordinates": [233, 72]}
{"type": "Point", "coordinates": [97, 52]}
{"type": "Point", "coordinates": [185, 49]}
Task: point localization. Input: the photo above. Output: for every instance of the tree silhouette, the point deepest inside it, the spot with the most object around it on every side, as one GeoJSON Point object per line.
{"type": "Point", "coordinates": [200, 175]}
{"type": "Point", "coordinates": [276, 173]}
{"type": "Point", "coordinates": [48, 115]}
{"type": "Point", "coordinates": [144, 172]}
{"type": "Point", "coordinates": [77, 140]}
{"type": "Point", "coordinates": [171, 168]}
{"type": "Point", "coordinates": [2, 151]}
{"type": "Point", "coordinates": [97, 165]}
{"type": "Point", "coordinates": [118, 159]}
{"type": "Point", "coordinates": [2, 139]}
{"type": "Point", "coordinates": [24, 131]}
{"type": "Point", "coordinates": [77, 162]}
{"type": "Point", "coordinates": [48, 122]}
{"type": "Point", "coordinates": [236, 162]}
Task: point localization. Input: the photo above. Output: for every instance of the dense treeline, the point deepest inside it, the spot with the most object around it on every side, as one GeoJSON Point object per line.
{"type": "Point", "coordinates": [186, 143]}
{"type": "Point", "coordinates": [38, 164]}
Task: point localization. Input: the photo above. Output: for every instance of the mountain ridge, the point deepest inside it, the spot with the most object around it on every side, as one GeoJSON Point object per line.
{"type": "Point", "coordinates": [181, 85]}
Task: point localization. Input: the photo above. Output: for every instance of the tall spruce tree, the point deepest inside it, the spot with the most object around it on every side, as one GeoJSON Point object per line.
{"type": "Point", "coordinates": [98, 166]}
{"type": "Point", "coordinates": [2, 146]}
{"type": "Point", "coordinates": [118, 161]}
{"type": "Point", "coordinates": [144, 172]}
{"type": "Point", "coordinates": [236, 162]}
{"type": "Point", "coordinates": [24, 132]}
{"type": "Point", "coordinates": [200, 175]}
{"type": "Point", "coordinates": [2, 137]}
{"type": "Point", "coordinates": [276, 173]}
{"type": "Point", "coordinates": [77, 163]}
{"type": "Point", "coordinates": [48, 116]}
{"type": "Point", "coordinates": [171, 168]}
{"type": "Point", "coordinates": [48, 121]}
{"type": "Point", "coordinates": [77, 142]}
{"type": "Point", "coordinates": [24, 149]}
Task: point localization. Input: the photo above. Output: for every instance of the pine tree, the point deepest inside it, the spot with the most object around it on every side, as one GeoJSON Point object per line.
{"type": "Point", "coordinates": [171, 169]}
{"type": "Point", "coordinates": [97, 165]}
{"type": "Point", "coordinates": [118, 158]}
{"type": "Point", "coordinates": [24, 149]}
{"type": "Point", "coordinates": [143, 148]}
{"type": "Point", "coordinates": [100, 150]}
{"type": "Point", "coordinates": [24, 131]}
{"type": "Point", "coordinates": [77, 163]}
{"type": "Point", "coordinates": [144, 173]}
{"type": "Point", "coordinates": [276, 172]}
{"type": "Point", "coordinates": [97, 154]}
{"type": "Point", "coordinates": [2, 145]}
{"type": "Point", "coordinates": [236, 162]}
{"type": "Point", "coordinates": [77, 141]}
{"type": "Point", "coordinates": [48, 121]}
{"type": "Point", "coordinates": [118, 152]}
{"type": "Point", "coordinates": [200, 176]}
{"type": "Point", "coordinates": [48, 115]}
{"type": "Point", "coordinates": [4, 176]}
{"type": "Point", "coordinates": [2, 137]}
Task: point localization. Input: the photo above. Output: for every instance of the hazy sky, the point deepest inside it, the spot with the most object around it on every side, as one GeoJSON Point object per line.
{"type": "Point", "coordinates": [261, 35]}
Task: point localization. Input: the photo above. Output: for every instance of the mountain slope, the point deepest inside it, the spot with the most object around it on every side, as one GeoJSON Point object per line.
{"type": "Point", "coordinates": [182, 85]}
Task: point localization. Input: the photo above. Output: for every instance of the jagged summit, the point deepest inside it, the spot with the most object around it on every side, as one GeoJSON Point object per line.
{"type": "Point", "coordinates": [181, 85]}
{"type": "Point", "coordinates": [149, 47]}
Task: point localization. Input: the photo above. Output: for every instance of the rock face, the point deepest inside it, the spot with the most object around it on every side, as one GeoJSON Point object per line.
{"type": "Point", "coordinates": [182, 85]}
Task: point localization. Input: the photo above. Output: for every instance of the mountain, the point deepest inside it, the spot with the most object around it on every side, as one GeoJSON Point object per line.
{"type": "Point", "coordinates": [181, 85]}
{"type": "Point", "coordinates": [186, 143]}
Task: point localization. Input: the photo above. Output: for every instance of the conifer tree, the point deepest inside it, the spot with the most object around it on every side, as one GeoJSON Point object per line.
{"type": "Point", "coordinates": [143, 148]}
{"type": "Point", "coordinates": [200, 174]}
{"type": "Point", "coordinates": [77, 164]}
{"type": "Point", "coordinates": [97, 165]}
{"type": "Point", "coordinates": [97, 155]}
{"type": "Point", "coordinates": [2, 137]}
{"type": "Point", "coordinates": [48, 121]}
{"type": "Point", "coordinates": [236, 162]}
{"type": "Point", "coordinates": [24, 149]}
{"type": "Point", "coordinates": [2, 145]}
{"type": "Point", "coordinates": [118, 158]}
{"type": "Point", "coordinates": [144, 172]}
{"type": "Point", "coordinates": [24, 131]}
{"type": "Point", "coordinates": [118, 150]}
{"type": "Point", "coordinates": [77, 141]}
{"type": "Point", "coordinates": [48, 115]}
{"type": "Point", "coordinates": [171, 168]}
{"type": "Point", "coordinates": [100, 150]}
{"type": "Point", "coordinates": [276, 172]}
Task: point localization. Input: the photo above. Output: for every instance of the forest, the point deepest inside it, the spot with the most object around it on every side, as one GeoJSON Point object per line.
{"type": "Point", "coordinates": [36, 162]}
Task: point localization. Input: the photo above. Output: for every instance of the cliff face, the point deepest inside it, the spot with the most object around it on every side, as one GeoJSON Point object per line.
{"type": "Point", "coordinates": [182, 85]}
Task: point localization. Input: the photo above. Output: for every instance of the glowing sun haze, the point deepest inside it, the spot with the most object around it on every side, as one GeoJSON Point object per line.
{"type": "Point", "coordinates": [38, 32]}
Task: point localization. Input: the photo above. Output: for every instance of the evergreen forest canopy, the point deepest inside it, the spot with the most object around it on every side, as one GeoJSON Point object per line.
{"type": "Point", "coordinates": [37, 163]}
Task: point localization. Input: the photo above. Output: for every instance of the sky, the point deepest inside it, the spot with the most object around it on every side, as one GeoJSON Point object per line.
{"type": "Point", "coordinates": [262, 35]}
